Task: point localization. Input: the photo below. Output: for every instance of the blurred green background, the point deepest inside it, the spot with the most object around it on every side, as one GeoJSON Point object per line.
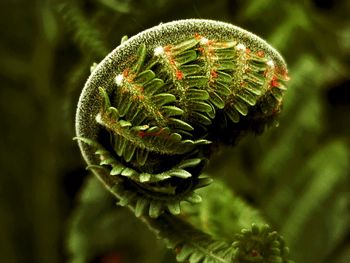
{"type": "Point", "coordinates": [296, 175]}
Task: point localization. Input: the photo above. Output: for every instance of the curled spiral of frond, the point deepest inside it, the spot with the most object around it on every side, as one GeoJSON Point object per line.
{"type": "Point", "coordinates": [166, 105]}
{"type": "Point", "coordinates": [156, 107]}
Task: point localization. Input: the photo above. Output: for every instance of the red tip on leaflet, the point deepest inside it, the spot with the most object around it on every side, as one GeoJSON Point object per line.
{"type": "Point", "coordinates": [274, 82]}
{"type": "Point", "coordinates": [179, 75]}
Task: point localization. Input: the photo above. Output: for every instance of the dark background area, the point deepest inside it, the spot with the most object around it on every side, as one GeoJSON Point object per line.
{"type": "Point", "coordinates": [297, 175]}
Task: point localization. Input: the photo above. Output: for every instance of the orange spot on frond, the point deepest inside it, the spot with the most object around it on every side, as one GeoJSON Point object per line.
{"type": "Point", "coordinates": [167, 48]}
{"type": "Point", "coordinates": [201, 49]}
{"type": "Point", "coordinates": [213, 74]}
{"type": "Point", "coordinates": [140, 89]}
{"type": "Point", "coordinates": [179, 75]}
{"type": "Point", "coordinates": [197, 36]}
{"type": "Point", "coordinates": [260, 54]}
{"type": "Point", "coordinates": [126, 72]}
{"type": "Point", "coordinates": [128, 76]}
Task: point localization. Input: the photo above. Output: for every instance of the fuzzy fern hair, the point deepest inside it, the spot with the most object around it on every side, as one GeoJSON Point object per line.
{"type": "Point", "coordinates": [155, 109]}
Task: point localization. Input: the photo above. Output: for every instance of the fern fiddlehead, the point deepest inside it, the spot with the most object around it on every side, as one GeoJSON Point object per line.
{"type": "Point", "coordinates": [156, 107]}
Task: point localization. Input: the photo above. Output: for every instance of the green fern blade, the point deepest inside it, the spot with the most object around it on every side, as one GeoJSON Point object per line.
{"type": "Point", "coordinates": [197, 94]}
{"type": "Point", "coordinates": [196, 82]}
{"type": "Point", "coordinates": [241, 107]}
{"type": "Point", "coordinates": [200, 106]}
{"type": "Point", "coordinates": [248, 97]}
{"type": "Point", "coordinates": [233, 114]}
{"type": "Point", "coordinates": [184, 45]}
{"type": "Point", "coordinates": [170, 111]}
{"type": "Point", "coordinates": [153, 86]}
{"type": "Point", "coordinates": [144, 77]}
{"type": "Point", "coordinates": [200, 118]}
{"type": "Point", "coordinates": [141, 56]}
{"type": "Point", "coordinates": [185, 57]}
{"type": "Point", "coordinates": [217, 100]}
{"type": "Point", "coordinates": [190, 70]}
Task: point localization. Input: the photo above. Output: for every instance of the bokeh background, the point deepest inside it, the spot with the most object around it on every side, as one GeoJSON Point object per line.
{"type": "Point", "coordinates": [296, 175]}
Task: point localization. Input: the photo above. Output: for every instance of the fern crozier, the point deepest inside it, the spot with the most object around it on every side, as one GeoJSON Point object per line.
{"type": "Point", "coordinates": [153, 111]}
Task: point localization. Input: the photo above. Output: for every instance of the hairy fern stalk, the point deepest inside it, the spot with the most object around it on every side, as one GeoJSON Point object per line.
{"type": "Point", "coordinates": [156, 108]}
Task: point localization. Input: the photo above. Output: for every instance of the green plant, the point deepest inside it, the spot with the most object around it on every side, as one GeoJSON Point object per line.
{"type": "Point", "coordinates": [158, 107]}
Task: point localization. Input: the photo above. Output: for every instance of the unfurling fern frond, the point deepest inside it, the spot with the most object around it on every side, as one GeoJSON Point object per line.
{"type": "Point", "coordinates": [154, 110]}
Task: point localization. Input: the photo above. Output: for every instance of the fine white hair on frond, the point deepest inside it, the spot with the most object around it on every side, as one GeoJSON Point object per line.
{"type": "Point", "coordinates": [119, 79]}
{"type": "Point", "coordinates": [204, 41]}
{"type": "Point", "coordinates": [241, 47]}
{"type": "Point", "coordinates": [158, 51]}
{"type": "Point", "coordinates": [270, 63]}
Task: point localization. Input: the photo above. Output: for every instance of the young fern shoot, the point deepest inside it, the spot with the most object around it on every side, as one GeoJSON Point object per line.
{"type": "Point", "coordinates": [154, 110]}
